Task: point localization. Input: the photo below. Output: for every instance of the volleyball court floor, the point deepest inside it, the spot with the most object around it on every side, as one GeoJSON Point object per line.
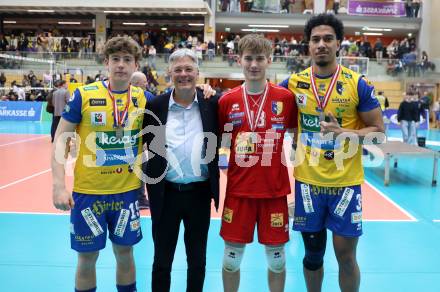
{"type": "Point", "coordinates": [398, 251]}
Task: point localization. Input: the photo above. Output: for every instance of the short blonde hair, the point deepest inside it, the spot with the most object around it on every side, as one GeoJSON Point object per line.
{"type": "Point", "coordinates": [255, 43]}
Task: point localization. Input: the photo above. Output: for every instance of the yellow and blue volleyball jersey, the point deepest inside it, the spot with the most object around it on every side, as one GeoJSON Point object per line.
{"type": "Point", "coordinates": [106, 161]}
{"type": "Point", "coordinates": [315, 157]}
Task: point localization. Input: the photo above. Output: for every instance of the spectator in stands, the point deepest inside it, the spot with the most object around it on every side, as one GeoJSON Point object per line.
{"type": "Point", "coordinates": [392, 49]}
{"type": "Point", "coordinates": [425, 103]}
{"type": "Point", "coordinates": [416, 6]}
{"type": "Point", "coordinates": [407, 115]}
{"type": "Point", "coordinates": [211, 50]}
{"type": "Point", "coordinates": [383, 100]}
{"type": "Point", "coordinates": [152, 57]}
{"type": "Point", "coordinates": [425, 64]}
{"type": "Point", "coordinates": [410, 61]}
{"type": "Point", "coordinates": [2, 79]}
{"type": "Point", "coordinates": [336, 4]}
{"type": "Point", "coordinates": [4, 44]}
{"type": "Point", "coordinates": [18, 91]}
{"type": "Point", "coordinates": [378, 50]}
{"type": "Point", "coordinates": [409, 8]}
{"type": "Point", "coordinates": [60, 97]}
{"type": "Point", "coordinates": [436, 113]}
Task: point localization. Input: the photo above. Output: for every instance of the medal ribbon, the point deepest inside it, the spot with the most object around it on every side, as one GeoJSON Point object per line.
{"type": "Point", "coordinates": [253, 123]}
{"type": "Point", "coordinates": [322, 104]}
{"type": "Point", "coordinates": [118, 121]}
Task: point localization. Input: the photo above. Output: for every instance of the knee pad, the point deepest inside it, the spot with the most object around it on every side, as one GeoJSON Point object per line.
{"type": "Point", "coordinates": [232, 257]}
{"type": "Point", "coordinates": [276, 259]}
{"type": "Point", "coordinates": [314, 245]}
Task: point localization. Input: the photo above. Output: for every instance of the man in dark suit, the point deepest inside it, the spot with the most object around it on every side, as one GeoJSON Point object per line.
{"type": "Point", "coordinates": [182, 171]}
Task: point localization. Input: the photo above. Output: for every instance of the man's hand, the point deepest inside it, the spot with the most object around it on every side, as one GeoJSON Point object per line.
{"type": "Point", "coordinates": [332, 126]}
{"type": "Point", "coordinates": [208, 92]}
{"type": "Point", "coordinates": [62, 199]}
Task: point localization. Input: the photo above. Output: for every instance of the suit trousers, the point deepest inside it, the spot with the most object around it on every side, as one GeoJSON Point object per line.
{"type": "Point", "coordinates": [194, 209]}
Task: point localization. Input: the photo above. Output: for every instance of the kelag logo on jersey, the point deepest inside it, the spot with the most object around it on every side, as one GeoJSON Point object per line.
{"type": "Point", "coordinates": [277, 107]}
{"type": "Point", "coordinates": [310, 123]}
{"type": "Point", "coordinates": [108, 140]}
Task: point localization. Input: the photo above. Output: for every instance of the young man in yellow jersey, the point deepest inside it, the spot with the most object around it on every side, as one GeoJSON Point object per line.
{"type": "Point", "coordinates": [105, 116]}
{"type": "Point", "coordinates": [333, 102]}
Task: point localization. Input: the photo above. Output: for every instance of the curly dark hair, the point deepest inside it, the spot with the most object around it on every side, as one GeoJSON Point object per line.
{"type": "Point", "coordinates": [122, 44]}
{"type": "Point", "coordinates": [324, 19]}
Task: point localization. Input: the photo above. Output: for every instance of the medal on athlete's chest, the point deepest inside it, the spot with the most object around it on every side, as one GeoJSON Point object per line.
{"type": "Point", "coordinates": [119, 132]}
{"type": "Point", "coordinates": [322, 100]}
{"type": "Point", "coordinates": [119, 117]}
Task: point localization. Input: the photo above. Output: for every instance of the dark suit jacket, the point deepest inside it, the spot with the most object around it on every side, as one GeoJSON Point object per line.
{"type": "Point", "coordinates": [157, 165]}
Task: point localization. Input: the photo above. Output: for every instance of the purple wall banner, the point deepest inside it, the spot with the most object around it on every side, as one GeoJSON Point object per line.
{"type": "Point", "coordinates": [376, 8]}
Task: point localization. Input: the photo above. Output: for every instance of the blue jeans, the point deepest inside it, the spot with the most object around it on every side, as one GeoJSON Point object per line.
{"type": "Point", "coordinates": [409, 132]}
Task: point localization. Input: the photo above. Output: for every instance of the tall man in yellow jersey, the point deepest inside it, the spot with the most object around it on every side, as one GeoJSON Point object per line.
{"type": "Point", "coordinates": [105, 115]}
{"type": "Point", "coordinates": [333, 102]}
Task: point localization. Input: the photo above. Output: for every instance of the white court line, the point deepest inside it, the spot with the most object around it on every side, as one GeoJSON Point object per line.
{"type": "Point", "coordinates": [23, 141]}
{"type": "Point", "coordinates": [413, 219]}
{"type": "Point", "coordinates": [436, 220]}
{"type": "Point", "coordinates": [428, 142]}
{"type": "Point", "coordinates": [24, 179]}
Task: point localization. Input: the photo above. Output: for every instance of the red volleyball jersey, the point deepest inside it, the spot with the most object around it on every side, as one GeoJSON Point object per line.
{"type": "Point", "coordinates": [257, 130]}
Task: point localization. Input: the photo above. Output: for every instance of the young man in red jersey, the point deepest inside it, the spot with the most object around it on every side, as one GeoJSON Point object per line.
{"type": "Point", "coordinates": [257, 115]}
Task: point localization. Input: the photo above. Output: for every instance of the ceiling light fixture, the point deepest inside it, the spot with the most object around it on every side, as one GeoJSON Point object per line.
{"type": "Point", "coordinates": [268, 25]}
{"type": "Point", "coordinates": [117, 11]}
{"type": "Point", "coordinates": [134, 23]}
{"type": "Point", "coordinates": [259, 30]}
{"type": "Point", "coordinates": [41, 10]}
{"type": "Point", "coordinates": [69, 22]}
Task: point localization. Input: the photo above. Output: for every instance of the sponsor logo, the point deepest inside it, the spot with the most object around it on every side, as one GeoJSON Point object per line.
{"type": "Point", "coordinates": [112, 171]}
{"type": "Point", "coordinates": [316, 140]}
{"type": "Point", "coordinates": [340, 100]}
{"type": "Point", "coordinates": [340, 87]}
{"type": "Point", "coordinates": [97, 102]}
{"type": "Point", "coordinates": [119, 102]}
{"type": "Point", "coordinates": [92, 222]}
{"type": "Point", "coordinates": [122, 222]}
{"type": "Point", "coordinates": [329, 155]}
{"type": "Point", "coordinates": [356, 217]}
{"type": "Point", "coordinates": [276, 220]}
{"type": "Point", "coordinates": [278, 126]}
{"type": "Point", "coordinates": [277, 119]}
{"type": "Point", "coordinates": [227, 215]}
{"type": "Point", "coordinates": [99, 118]}
{"type": "Point", "coordinates": [67, 108]}
{"type": "Point", "coordinates": [301, 100]}
{"type": "Point", "coordinates": [322, 87]}
{"type": "Point", "coordinates": [135, 102]}
{"type": "Point", "coordinates": [92, 87]}
{"type": "Point", "coordinates": [303, 85]}
{"type": "Point", "coordinates": [237, 122]}
{"type": "Point", "coordinates": [17, 113]}
{"type": "Point", "coordinates": [116, 157]}
{"type": "Point", "coordinates": [119, 170]}
{"type": "Point", "coordinates": [344, 202]}
{"type": "Point", "coordinates": [84, 239]}
{"type": "Point", "coordinates": [108, 140]}
{"type": "Point", "coordinates": [244, 144]}
{"type": "Point", "coordinates": [310, 122]}
{"type": "Point", "coordinates": [235, 107]}
{"type": "Point", "coordinates": [236, 115]}
{"type": "Point", "coordinates": [277, 107]}
{"type": "Point", "coordinates": [307, 199]}
{"type": "Point", "coordinates": [347, 75]}
{"type": "Point", "coordinates": [135, 225]}
{"type": "Point", "coordinates": [305, 74]}
{"type": "Point", "coordinates": [100, 207]}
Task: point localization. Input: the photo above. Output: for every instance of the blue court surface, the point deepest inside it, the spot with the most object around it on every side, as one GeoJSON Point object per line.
{"type": "Point", "coordinates": [395, 254]}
